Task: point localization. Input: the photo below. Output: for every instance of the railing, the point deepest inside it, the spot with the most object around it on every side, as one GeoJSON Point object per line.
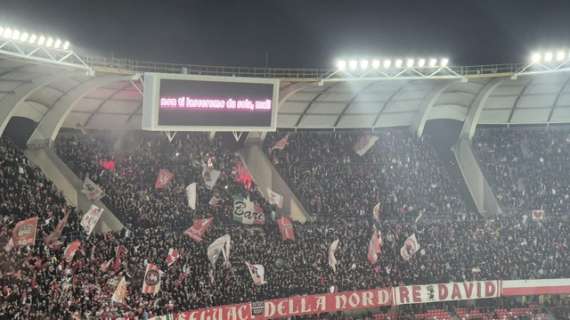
{"type": "Point", "coordinates": [135, 66]}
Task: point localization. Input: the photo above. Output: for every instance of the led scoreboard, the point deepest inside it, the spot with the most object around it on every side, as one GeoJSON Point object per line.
{"type": "Point", "coordinates": [179, 102]}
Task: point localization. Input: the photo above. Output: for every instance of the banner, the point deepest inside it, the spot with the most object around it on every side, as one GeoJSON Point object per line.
{"type": "Point", "coordinates": [281, 143]}
{"type": "Point", "coordinates": [56, 233]}
{"type": "Point", "coordinates": [257, 272]}
{"type": "Point", "coordinates": [375, 247]}
{"type": "Point", "coordinates": [198, 228]}
{"type": "Point", "coordinates": [364, 143]}
{"type": "Point", "coordinates": [92, 190]}
{"type": "Point", "coordinates": [332, 258]}
{"type": "Point", "coordinates": [274, 198]}
{"type": "Point", "coordinates": [24, 233]}
{"type": "Point", "coordinates": [537, 215]}
{"type": "Point", "coordinates": [120, 294]}
{"type": "Point", "coordinates": [410, 247]}
{"type": "Point", "coordinates": [163, 179]}
{"type": "Point", "coordinates": [70, 250]}
{"type": "Point", "coordinates": [210, 176]}
{"type": "Point", "coordinates": [453, 291]}
{"type": "Point", "coordinates": [173, 255]}
{"type": "Point", "coordinates": [286, 228]}
{"type": "Point", "coordinates": [242, 175]}
{"type": "Point", "coordinates": [221, 245]}
{"type": "Point", "coordinates": [151, 282]}
{"type": "Point", "coordinates": [90, 219]}
{"type": "Point", "coordinates": [246, 212]}
{"type": "Point", "coordinates": [191, 195]}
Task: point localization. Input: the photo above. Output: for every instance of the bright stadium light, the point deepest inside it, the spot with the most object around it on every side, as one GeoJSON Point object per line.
{"type": "Point", "coordinates": [560, 55]}
{"type": "Point", "coordinates": [444, 62]}
{"type": "Point", "coordinates": [353, 64]}
{"type": "Point", "coordinates": [387, 63]}
{"type": "Point", "coordinates": [363, 64]}
{"type": "Point", "coordinates": [536, 57]}
{"type": "Point", "coordinates": [399, 63]}
{"type": "Point", "coordinates": [15, 34]}
{"type": "Point", "coordinates": [548, 56]}
{"type": "Point", "coordinates": [49, 42]}
{"type": "Point", "coordinates": [340, 64]}
{"type": "Point", "coordinates": [57, 43]}
{"type": "Point", "coordinates": [33, 39]}
{"type": "Point", "coordinates": [410, 63]}
{"type": "Point", "coordinates": [24, 36]}
{"type": "Point", "coordinates": [7, 33]}
{"type": "Point", "coordinates": [375, 64]}
{"type": "Point", "coordinates": [41, 40]}
{"type": "Point", "coordinates": [66, 46]}
{"type": "Point", "coordinates": [432, 62]}
{"type": "Point", "coordinates": [421, 62]}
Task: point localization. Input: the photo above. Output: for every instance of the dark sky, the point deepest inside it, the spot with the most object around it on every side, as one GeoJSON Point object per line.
{"type": "Point", "coordinates": [307, 33]}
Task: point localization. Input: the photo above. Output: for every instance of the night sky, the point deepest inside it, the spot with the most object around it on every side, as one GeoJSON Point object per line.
{"type": "Point", "coordinates": [307, 33]}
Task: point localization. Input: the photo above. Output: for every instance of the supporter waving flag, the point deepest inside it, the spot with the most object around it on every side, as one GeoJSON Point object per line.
{"type": "Point", "coordinates": [191, 195]}
{"type": "Point", "coordinates": [332, 258]}
{"type": "Point", "coordinates": [120, 294]}
{"type": "Point", "coordinates": [377, 211]}
{"type": "Point", "coordinates": [56, 233]}
{"type": "Point", "coordinates": [163, 179]}
{"type": "Point", "coordinates": [374, 246]}
{"type": "Point", "coordinates": [173, 255]}
{"type": "Point", "coordinates": [107, 164]}
{"type": "Point", "coordinates": [286, 228]}
{"type": "Point", "coordinates": [242, 175]}
{"type": "Point", "coordinates": [151, 282]}
{"type": "Point", "coordinates": [222, 246]}
{"type": "Point", "coordinates": [70, 250]}
{"type": "Point", "coordinates": [210, 176]}
{"type": "Point", "coordinates": [274, 198]}
{"type": "Point", "coordinates": [199, 228]}
{"type": "Point", "coordinates": [247, 212]}
{"type": "Point", "coordinates": [92, 190]}
{"type": "Point", "coordinates": [364, 143]}
{"type": "Point", "coordinates": [24, 233]}
{"type": "Point", "coordinates": [257, 272]}
{"type": "Point", "coordinates": [90, 219]}
{"type": "Point", "coordinates": [410, 247]}
{"type": "Point", "coordinates": [281, 143]}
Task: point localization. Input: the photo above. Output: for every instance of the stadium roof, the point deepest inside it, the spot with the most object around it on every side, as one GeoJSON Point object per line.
{"type": "Point", "coordinates": [112, 98]}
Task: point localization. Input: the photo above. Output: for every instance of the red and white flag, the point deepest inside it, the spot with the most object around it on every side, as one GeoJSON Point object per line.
{"type": "Point", "coordinates": [105, 265]}
{"type": "Point", "coordinates": [286, 228]}
{"type": "Point", "coordinates": [332, 258]}
{"type": "Point", "coordinates": [364, 143]}
{"type": "Point", "coordinates": [537, 215]}
{"type": "Point", "coordinates": [121, 292]}
{"type": "Point", "coordinates": [70, 250]}
{"type": "Point", "coordinates": [242, 175]}
{"type": "Point", "coordinates": [281, 143]}
{"type": "Point", "coordinates": [199, 228]}
{"type": "Point", "coordinates": [375, 246]}
{"type": "Point", "coordinates": [410, 247]}
{"type": "Point", "coordinates": [274, 198]}
{"type": "Point", "coordinates": [24, 233]}
{"type": "Point", "coordinates": [163, 179]}
{"type": "Point", "coordinates": [120, 251]}
{"type": "Point", "coordinates": [56, 233]}
{"type": "Point", "coordinates": [173, 255]}
{"type": "Point", "coordinates": [257, 272]}
{"type": "Point", "coordinates": [90, 219]}
{"type": "Point", "coordinates": [151, 282]}
{"type": "Point", "coordinates": [9, 245]}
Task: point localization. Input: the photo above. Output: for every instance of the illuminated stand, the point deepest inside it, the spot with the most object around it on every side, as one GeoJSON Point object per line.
{"type": "Point", "coordinates": [40, 48]}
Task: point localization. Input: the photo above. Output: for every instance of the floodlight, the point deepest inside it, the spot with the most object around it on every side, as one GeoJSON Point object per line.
{"type": "Point", "coordinates": [57, 43]}
{"type": "Point", "coordinates": [432, 62]}
{"type": "Point", "coordinates": [560, 55]}
{"type": "Point", "coordinates": [444, 62]}
{"type": "Point", "coordinates": [340, 64]}
{"type": "Point", "coordinates": [33, 38]}
{"type": "Point", "coordinates": [49, 42]}
{"type": "Point", "coordinates": [536, 57]}
{"type": "Point", "coordinates": [1, 31]}
{"type": "Point", "coordinates": [399, 63]}
{"type": "Point", "coordinates": [66, 46]}
{"type": "Point", "coordinates": [548, 56]}
{"type": "Point", "coordinates": [375, 64]}
{"type": "Point", "coordinates": [41, 40]}
{"type": "Point", "coordinates": [7, 33]}
{"type": "Point", "coordinates": [387, 63]}
{"type": "Point", "coordinates": [421, 63]}
{"type": "Point", "coordinates": [410, 63]}
{"type": "Point", "coordinates": [24, 36]}
{"type": "Point", "coordinates": [353, 64]}
{"type": "Point", "coordinates": [363, 64]}
{"type": "Point", "coordinates": [15, 34]}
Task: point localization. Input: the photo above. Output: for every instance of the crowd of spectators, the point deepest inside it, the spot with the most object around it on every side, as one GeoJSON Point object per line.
{"type": "Point", "coordinates": [401, 173]}
{"type": "Point", "coordinates": [528, 168]}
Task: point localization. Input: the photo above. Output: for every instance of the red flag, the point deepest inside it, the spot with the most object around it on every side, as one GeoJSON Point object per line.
{"type": "Point", "coordinates": [163, 179]}
{"type": "Point", "coordinates": [374, 247]}
{"type": "Point", "coordinates": [70, 250]}
{"type": "Point", "coordinates": [107, 164]}
{"type": "Point", "coordinates": [151, 283]}
{"type": "Point", "coordinates": [281, 143]}
{"type": "Point", "coordinates": [198, 228]}
{"type": "Point", "coordinates": [286, 228]}
{"type": "Point", "coordinates": [105, 265]}
{"type": "Point", "coordinates": [173, 255]}
{"type": "Point", "coordinates": [243, 176]}
{"type": "Point", "coordinates": [24, 233]}
{"type": "Point", "coordinates": [56, 233]}
{"type": "Point", "coordinates": [119, 252]}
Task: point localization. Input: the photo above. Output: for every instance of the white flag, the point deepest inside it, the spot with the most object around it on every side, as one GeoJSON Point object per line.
{"type": "Point", "coordinates": [410, 247]}
{"type": "Point", "coordinates": [364, 143]}
{"type": "Point", "coordinates": [92, 190]}
{"type": "Point", "coordinates": [221, 245]}
{"type": "Point", "coordinates": [120, 294]}
{"type": "Point", "coordinates": [90, 219]}
{"type": "Point", "coordinates": [210, 176]}
{"type": "Point", "coordinates": [275, 198]}
{"type": "Point", "coordinates": [257, 272]}
{"type": "Point", "coordinates": [332, 258]}
{"type": "Point", "coordinates": [191, 195]}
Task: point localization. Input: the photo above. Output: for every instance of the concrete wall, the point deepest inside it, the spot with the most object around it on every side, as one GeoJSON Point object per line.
{"type": "Point", "coordinates": [70, 185]}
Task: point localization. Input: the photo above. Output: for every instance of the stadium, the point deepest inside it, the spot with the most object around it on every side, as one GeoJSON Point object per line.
{"type": "Point", "coordinates": [378, 188]}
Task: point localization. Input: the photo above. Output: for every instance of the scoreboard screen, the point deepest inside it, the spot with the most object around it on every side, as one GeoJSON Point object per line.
{"type": "Point", "coordinates": [174, 102]}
